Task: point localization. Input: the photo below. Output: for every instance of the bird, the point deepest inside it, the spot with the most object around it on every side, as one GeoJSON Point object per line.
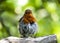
{"type": "Point", "coordinates": [27, 24]}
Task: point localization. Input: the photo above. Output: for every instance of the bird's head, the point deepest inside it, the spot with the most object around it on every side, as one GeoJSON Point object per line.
{"type": "Point", "coordinates": [28, 11]}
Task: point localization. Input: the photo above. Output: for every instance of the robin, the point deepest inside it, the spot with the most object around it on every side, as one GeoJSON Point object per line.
{"type": "Point", "coordinates": [27, 24]}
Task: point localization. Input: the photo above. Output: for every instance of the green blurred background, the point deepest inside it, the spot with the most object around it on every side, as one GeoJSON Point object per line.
{"type": "Point", "coordinates": [47, 13]}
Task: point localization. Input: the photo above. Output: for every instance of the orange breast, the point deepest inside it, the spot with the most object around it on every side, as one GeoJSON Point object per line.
{"type": "Point", "coordinates": [28, 18]}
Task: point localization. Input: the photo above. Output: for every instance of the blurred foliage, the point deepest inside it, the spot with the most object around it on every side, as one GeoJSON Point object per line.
{"type": "Point", "coordinates": [47, 13]}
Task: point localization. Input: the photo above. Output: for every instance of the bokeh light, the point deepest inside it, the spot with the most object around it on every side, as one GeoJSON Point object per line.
{"type": "Point", "coordinates": [22, 2]}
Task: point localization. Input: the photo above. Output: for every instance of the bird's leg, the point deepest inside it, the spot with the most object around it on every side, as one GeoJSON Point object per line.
{"type": "Point", "coordinates": [33, 36]}
{"type": "Point", "coordinates": [24, 36]}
